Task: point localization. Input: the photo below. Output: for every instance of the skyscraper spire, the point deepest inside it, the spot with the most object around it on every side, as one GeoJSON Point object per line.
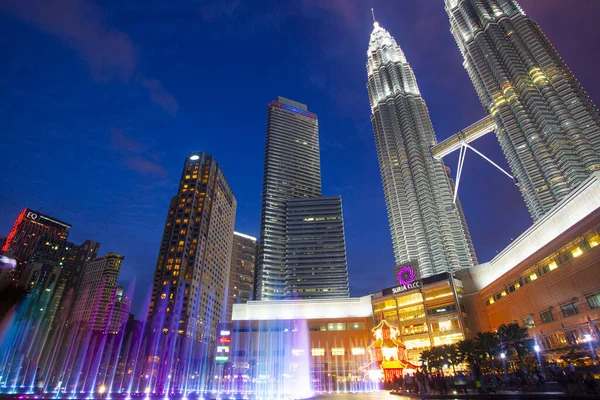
{"type": "Point", "coordinates": [428, 233]}
{"type": "Point", "coordinates": [373, 14]}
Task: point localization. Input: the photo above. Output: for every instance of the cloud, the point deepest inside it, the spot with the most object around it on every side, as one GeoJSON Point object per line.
{"type": "Point", "coordinates": [144, 166]}
{"type": "Point", "coordinates": [110, 53]}
{"type": "Point", "coordinates": [161, 97]}
{"type": "Point", "coordinates": [123, 143]}
{"type": "Point", "coordinates": [137, 156]}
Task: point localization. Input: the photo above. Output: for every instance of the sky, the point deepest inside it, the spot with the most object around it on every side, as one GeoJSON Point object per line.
{"type": "Point", "coordinates": [100, 102]}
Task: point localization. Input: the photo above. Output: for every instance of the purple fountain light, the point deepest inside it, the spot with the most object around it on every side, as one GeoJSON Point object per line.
{"type": "Point", "coordinates": [406, 275]}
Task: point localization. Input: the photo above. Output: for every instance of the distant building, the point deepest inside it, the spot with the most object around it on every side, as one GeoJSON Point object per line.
{"type": "Point", "coordinates": [96, 297]}
{"type": "Point", "coordinates": [243, 265]}
{"type": "Point", "coordinates": [27, 231]}
{"type": "Point", "coordinates": [192, 273]}
{"type": "Point", "coordinates": [315, 256]}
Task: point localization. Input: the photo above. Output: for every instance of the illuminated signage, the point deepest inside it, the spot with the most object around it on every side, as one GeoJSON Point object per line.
{"type": "Point", "coordinates": [222, 349]}
{"type": "Point", "coordinates": [405, 275]}
{"type": "Point", "coordinates": [31, 215]}
{"type": "Point", "coordinates": [224, 340]}
{"type": "Point", "coordinates": [221, 358]}
{"type": "Point", "coordinates": [225, 333]}
{"type": "Point", "coordinates": [293, 109]}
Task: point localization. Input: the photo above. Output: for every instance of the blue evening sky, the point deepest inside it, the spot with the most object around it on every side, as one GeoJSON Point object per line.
{"type": "Point", "coordinates": [100, 101]}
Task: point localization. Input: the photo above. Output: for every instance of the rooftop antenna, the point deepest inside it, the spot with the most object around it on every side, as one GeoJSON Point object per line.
{"type": "Point", "coordinates": [373, 14]}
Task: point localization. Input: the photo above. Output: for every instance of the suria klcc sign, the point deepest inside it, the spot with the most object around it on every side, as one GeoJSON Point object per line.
{"type": "Point", "coordinates": [407, 280]}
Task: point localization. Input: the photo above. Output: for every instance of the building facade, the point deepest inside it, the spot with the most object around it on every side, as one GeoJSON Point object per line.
{"type": "Point", "coordinates": [192, 273]}
{"type": "Point", "coordinates": [243, 266]}
{"type": "Point", "coordinates": [428, 230]}
{"type": "Point", "coordinates": [316, 266]}
{"type": "Point", "coordinates": [292, 170]}
{"type": "Point", "coordinates": [548, 127]}
{"type": "Point", "coordinates": [428, 312]}
{"type": "Point", "coordinates": [321, 343]}
{"type": "Point", "coordinates": [94, 304]}
{"type": "Point", "coordinates": [547, 279]}
{"type": "Point", "coordinates": [27, 231]}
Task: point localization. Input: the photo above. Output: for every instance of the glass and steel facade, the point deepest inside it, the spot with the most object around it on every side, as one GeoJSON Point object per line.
{"type": "Point", "coordinates": [292, 170]}
{"type": "Point", "coordinates": [427, 229]}
{"type": "Point", "coordinates": [548, 127]}
{"type": "Point", "coordinates": [316, 266]}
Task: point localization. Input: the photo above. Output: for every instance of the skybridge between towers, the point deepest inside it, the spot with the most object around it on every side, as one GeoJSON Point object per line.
{"type": "Point", "coordinates": [461, 142]}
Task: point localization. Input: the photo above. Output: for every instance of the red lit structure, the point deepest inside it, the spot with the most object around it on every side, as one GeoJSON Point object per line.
{"type": "Point", "coordinates": [388, 352]}
{"type": "Point", "coordinates": [27, 230]}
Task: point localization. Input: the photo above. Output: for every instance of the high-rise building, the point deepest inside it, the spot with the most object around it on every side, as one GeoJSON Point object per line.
{"type": "Point", "coordinates": [316, 266]}
{"type": "Point", "coordinates": [292, 170]}
{"type": "Point", "coordinates": [548, 127]}
{"type": "Point", "coordinates": [192, 271]}
{"type": "Point", "coordinates": [26, 232]}
{"type": "Point", "coordinates": [427, 229]}
{"type": "Point", "coordinates": [243, 267]}
{"type": "Point", "coordinates": [95, 300]}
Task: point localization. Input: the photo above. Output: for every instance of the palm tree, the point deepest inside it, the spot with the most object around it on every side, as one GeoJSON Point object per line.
{"type": "Point", "coordinates": [426, 360]}
{"type": "Point", "coordinates": [489, 342]}
{"type": "Point", "coordinates": [515, 337]}
{"type": "Point", "coordinates": [469, 351]}
{"type": "Point", "coordinates": [451, 355]}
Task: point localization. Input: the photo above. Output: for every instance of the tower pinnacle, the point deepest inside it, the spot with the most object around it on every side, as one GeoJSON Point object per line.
{"type": "Point", "coordinates": [373, 14]}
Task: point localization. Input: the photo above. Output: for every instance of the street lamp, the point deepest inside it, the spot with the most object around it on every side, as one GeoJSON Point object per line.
{"type": "Point", "coordinates": [588, 337]}
{"type": "Point", "coordinates": [503, 355]}
{"type": "Point", "coordinates": [536, 348]}
{"type": "Point", "coordinates": [102, 390]}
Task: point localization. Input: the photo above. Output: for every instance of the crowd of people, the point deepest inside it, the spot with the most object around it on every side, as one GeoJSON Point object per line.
{"type": "Point", "coordinates": [568, 378]}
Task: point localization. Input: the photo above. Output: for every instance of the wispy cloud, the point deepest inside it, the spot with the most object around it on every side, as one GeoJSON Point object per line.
{"type": "Point", "coordinates": [160, 96]}
{"type": "Point", "coordinates": [109, 52]}
{"type": "Point", "coordinates": [137, 156]}
{"type": "Point", "coordinates": [145, 166]}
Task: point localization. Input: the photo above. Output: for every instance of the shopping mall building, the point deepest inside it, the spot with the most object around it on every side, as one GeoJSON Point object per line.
{"type": "Point", "coordinates": [548, 279]}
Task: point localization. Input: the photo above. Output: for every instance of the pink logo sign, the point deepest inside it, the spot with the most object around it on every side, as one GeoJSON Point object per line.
{"type": "Point", "coordinates": [406, 275]}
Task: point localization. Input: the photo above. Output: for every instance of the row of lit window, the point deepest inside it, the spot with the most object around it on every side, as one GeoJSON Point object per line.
{"type": "Point", "coordinates": [336, 351]}
{"type": "Point", "coordinates": [567, 310]}
{"type": "Point", "coordinates": [534, 273]}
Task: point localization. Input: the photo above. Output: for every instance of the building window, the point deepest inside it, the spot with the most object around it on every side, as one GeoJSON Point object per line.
{"type": "Point", "coordinates": [594, 300]}
{"type": "Point", "coordinates": [577, 252]}
{"type": "Point", "coordinates": [528, 322]}
{"type": "Point", "coordinates": [358, 351]}
{"type": "Point", "coordinates": [340, 326]}
{"type": "Point", "coordinates": [546, 317]}
{"type": "Point", "coordinates": [317, 352]}
{"type": "Point", "coordinates": [569, 310]}
{"type": "Point", "coordinates": [356, 326]}
{"type": "Point", "coordinates": [337, 351]}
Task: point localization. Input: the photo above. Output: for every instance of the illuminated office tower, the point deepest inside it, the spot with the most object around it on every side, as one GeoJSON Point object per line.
{"type": "Point", "coordinates": [428, 231]}
{"type": "Point", "coordinates": [292, 170]}
{"type": "Point", "coordinates": [547, 126]}
{"type": "Point", "coordinates": [316, 266]}
{"type": "Point", "coordinates": [192, 272]}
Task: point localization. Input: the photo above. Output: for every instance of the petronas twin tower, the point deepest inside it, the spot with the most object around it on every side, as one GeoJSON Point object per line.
{"type": "Point", "coordinates": [548, 128]}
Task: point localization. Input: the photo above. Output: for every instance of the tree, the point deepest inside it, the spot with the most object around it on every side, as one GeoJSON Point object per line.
{"type": "Point", "coordinates": [426, 360]}
{"type": "Point", "coordinates": [451, 355]}
{"type": "Point", "coordinates": [489, 342]}
{"type": "Point", "coordinates": [469, 351]}
{"type": "Point", "coordinates": [515, 337]}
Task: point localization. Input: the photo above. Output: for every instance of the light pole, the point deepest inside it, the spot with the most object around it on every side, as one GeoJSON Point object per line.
{"type": "Point", "coordinates": [537, 350]}
{"type": "Point", "coordinates": [503, 358]}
